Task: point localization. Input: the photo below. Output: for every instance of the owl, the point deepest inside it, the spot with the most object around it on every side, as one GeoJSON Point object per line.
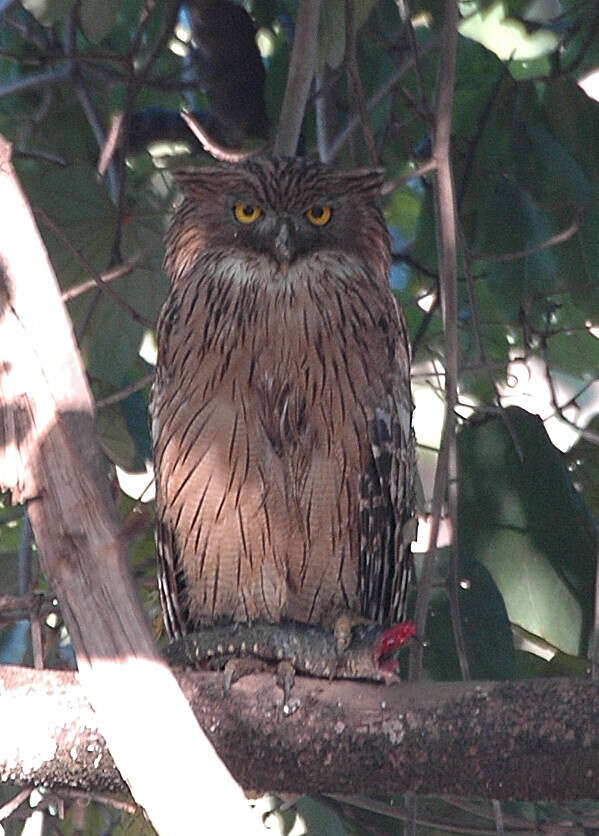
{"type": "Point", "coordinates": [281, 409]}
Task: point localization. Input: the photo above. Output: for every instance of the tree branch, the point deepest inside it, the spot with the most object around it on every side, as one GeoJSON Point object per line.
{"type": "Point", "coordinates": [301, 71]}
{"type": "Point", "coordinates": [447, 236]}
{"type": "Point", "coordinates": [525, 739]}
{"type": "Point", "coordinates": [351, 58]}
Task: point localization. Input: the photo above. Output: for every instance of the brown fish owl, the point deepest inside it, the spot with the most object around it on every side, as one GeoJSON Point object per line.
{"type": "Point", "coordinates": [281, 410]}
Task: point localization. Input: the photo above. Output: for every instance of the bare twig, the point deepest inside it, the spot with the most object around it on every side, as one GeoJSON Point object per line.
{"type": "Point", "coordinates": [135, 79]}
{"type": "Point", "coordinates": [142, 23]}
{"type": "Point", "coordinates": [98, 131]}
{"type": "Point", "coordinates": [447, 234]}
{"type": "Point", "coordinates": [99, 798]}
{"type": "Point", "coordinates": [588, 435]}
{"type": "Point", "coordinates": [398, 813]}
{"type": "Point", "coordinates": [111, 143]}
{"type": "Point", "coordinates": [45, 156]}
{"type": "Point", "coordinates": [35, 82]}
{"type": "Point", "coordinates": [519, 822]}
{"type": "Point", "coordinates": [70, 47]}
{"type": "Point", "coordinates": [301, 71]}
{"type": "Point", "coordinates": [211, 146]}
{"type": "Point", "coordinates": [123, 269]}
{"type": "Point", "coordinates": [106, 288]}
{"type": "Point", "coordinates": [425, 582]}
{"type": "Point", "coordinates": [384, 90]}
{"type": "Point", "coordinates": [354, 73]}
{"type": "Point", "coordinates": [18, 607]}
{"type": "Point", "coordinates": [403, 7]}
{"type": "Point", "coordinates": [485, 364]}
{"type": "Point", "coordinates": [9, 808]}
{"type": "Point", "coordinates": [391, 185]}
{"type": "Point", "coordinates": [28, 31]}
{"type": "Point", "coordinates": [552, 241]}
{"type": "Point", "coordinates": [124, 393]}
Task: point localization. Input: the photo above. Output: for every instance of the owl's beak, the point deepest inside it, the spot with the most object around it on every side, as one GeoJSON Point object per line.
{"type": "Point", "coordinates": [284, 245]}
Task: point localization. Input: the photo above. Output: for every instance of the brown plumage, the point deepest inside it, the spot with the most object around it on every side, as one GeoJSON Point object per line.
{"type": "Point", "coordinates": [281, 410]}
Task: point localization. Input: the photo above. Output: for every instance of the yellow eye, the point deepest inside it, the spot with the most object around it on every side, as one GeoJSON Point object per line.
{"type": "Point", "coordinates": [319, 215]}
{"type": "Point", "coordinates": [246, 213]}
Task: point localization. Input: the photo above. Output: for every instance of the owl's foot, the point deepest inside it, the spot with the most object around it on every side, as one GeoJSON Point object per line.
{"type": "Point", "coordinates": [285, 679]}
{"type": "Point", "coordinates": [342, 630]}
{"type": "Point", "coordinates": [240, 666]}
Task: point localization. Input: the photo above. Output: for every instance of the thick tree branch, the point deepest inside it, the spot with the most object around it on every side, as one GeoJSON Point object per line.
{"type": "Point", "coordinates": [526, 739]}
{"type": "Point", "coordinates": [301, 71]}
{"type": "Point", "coordinates": [50, 457]}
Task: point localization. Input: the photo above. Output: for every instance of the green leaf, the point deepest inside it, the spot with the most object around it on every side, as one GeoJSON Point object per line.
{"type": "Point", "coordinates": [508, 223]}
{"type": "Point", "coordinates": [97, 19]}
{"type": "Point", "coordinates": [81, 210]}
{"type": "Point", "coordinates": [573, 119]}
{"type": "Point", "coordinates": [331, 30]}
{"type": "Point", "coordinates": [576, 353]}
{"type": "Point", "coordinates": [506, 36]}
{"type": "Point", "coordinates": [424, 249]}
{"type": "Point", "coordinates": [486, 629]}
{"type": "Point", "coordinates": [319, 818]}
{"type": "Point", "coordinates": [578, 260]}
{"type": "Point", "coordinates": [529, 665]}
{"type": "Point", "coordinates": [546, 169]}
{"type": "Point", "coordinates": [116, 438]}
{"type": "Point", "coordinates": [583, 464]}
{"type": "Point", "coordinates": [48, 12]}
{"type": "Point", "coordinates": [523, 519]}
{"type": "Point", "coordinates": [403, 210]}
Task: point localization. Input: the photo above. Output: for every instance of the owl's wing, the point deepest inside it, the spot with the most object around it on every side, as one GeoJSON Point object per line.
{"type": "Point", "coordinates": [387, 504]}
{"type": "Point", "coordinates": [171, 584]}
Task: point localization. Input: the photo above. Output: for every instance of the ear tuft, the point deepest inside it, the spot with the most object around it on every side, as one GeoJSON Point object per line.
{"type": "Point", "coordinates": [197, 182]}
{"type": "Point", "coordinates": [366, 181]}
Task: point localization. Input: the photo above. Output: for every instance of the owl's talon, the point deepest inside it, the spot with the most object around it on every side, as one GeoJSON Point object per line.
{"type": "Point", "coordinates": [342, 633]}
{"type": "Point", "coordinates": [285, 679]}
{"type": "Point", "coordinates": [342, 630]}
{"type": "Point", "coordinates": [238, 667]}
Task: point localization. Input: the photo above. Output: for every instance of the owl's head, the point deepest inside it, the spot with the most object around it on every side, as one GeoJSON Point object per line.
{"type": "Point", "coordinates": [283, 208]}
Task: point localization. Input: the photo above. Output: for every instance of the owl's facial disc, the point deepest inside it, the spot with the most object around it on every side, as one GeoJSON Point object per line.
{"type": "Point", "coordinates": [285, 233]}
